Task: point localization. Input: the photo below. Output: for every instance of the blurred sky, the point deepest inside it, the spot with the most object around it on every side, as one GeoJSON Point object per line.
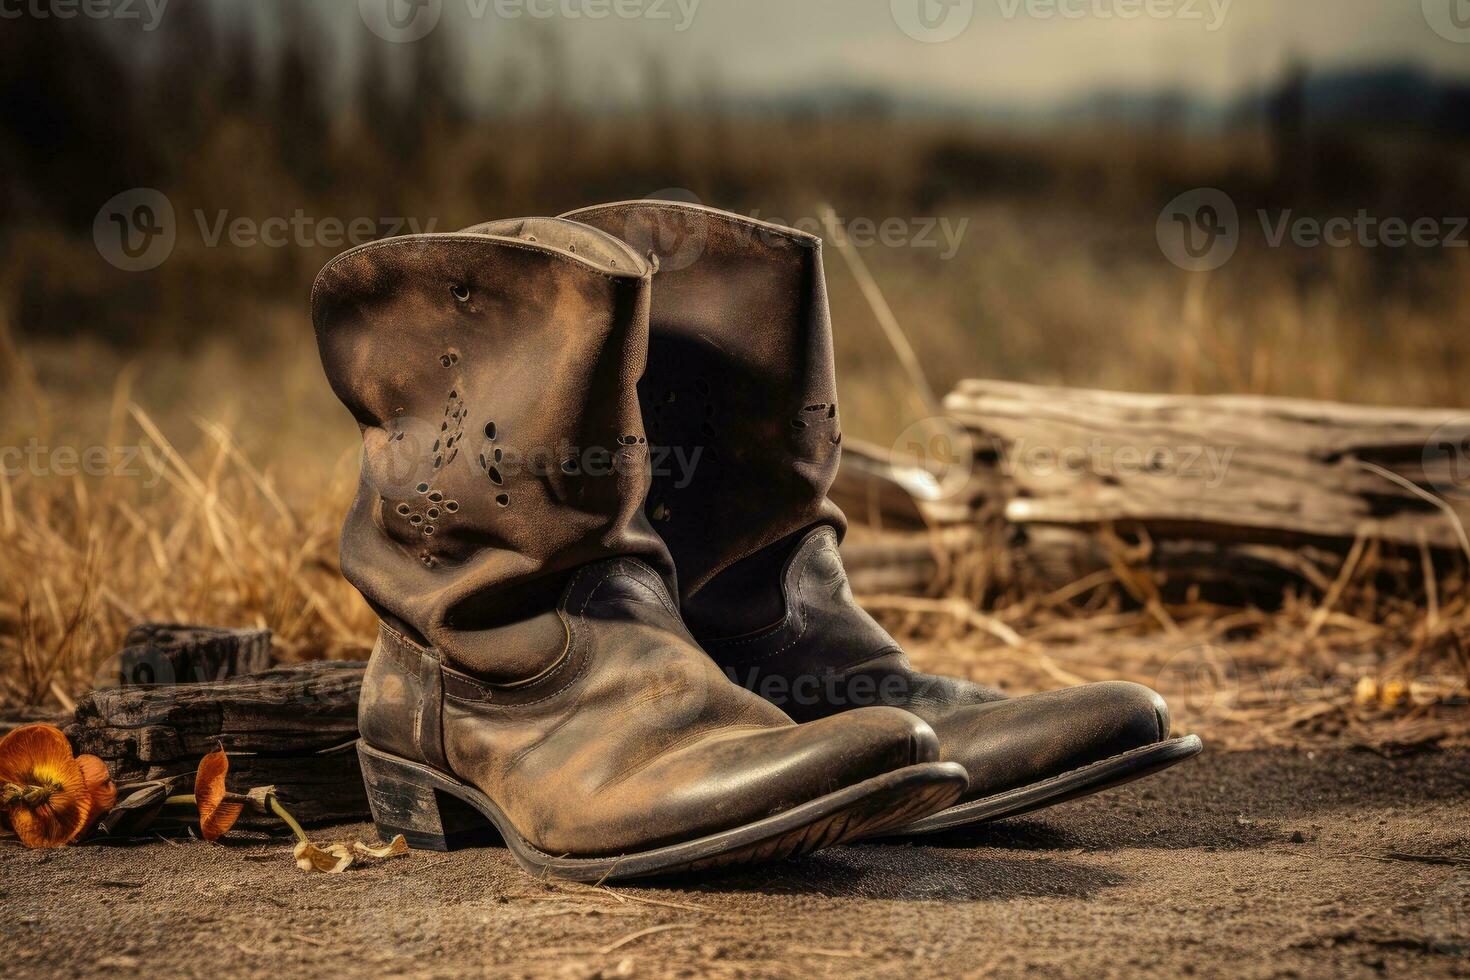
{"type": "Point", "coordinates": [1021, 53]}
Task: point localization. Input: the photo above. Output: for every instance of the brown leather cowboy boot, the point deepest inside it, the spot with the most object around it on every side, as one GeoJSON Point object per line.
{"type": "Point", "coordinates": [532, 681]}
{"type": "Point", "coordinates": [740, 386]}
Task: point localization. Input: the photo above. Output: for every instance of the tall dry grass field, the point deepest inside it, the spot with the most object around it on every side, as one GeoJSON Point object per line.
{"type": "Point", "coordinates": [221, 464]}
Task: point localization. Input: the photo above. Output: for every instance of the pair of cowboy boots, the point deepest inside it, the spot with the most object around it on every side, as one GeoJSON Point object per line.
{"type": "Point", "coordinates": [616, 634]}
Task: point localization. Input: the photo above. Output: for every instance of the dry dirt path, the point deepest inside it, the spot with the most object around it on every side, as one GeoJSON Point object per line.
{"type": "Point", "coordinates": [1263, 864]}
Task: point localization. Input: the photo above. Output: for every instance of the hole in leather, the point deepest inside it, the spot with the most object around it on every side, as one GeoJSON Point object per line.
{"type": "Point", "coordinates": [503, 500]}
{"type": "Point", "coordinates": [495, 476]}
{"type": "Point", "coordinates": [490, 431]}
{"type": "Point", "coordinates": [433, 513]}
{"type": "Point", "coordinates": [460, 292]}
{"type": "Point", "coordinates": [452, 506]}
{"type": "Point", "coordinates": [798, 424]}
{"type": "Point", "coordinates": [403, 510]}
{"type": "Point", "coordinates": [422, 488]}
{"type": "Point", "coordinates": [569, 467]}
{"type": "Point", "coordinates": [416, 520]}
{"type": "Point", "coordinates": [436, 497]}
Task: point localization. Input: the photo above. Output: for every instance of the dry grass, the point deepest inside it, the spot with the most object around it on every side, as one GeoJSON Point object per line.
{"type": "Point", "coordinates": [256, 460]}
{"type": "Point", "coordinates": [200, 536]}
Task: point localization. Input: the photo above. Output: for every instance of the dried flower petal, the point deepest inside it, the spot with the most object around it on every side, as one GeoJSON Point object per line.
{"type": "Point", "coordinates": [99, 787]}
{"type": "Point", "coordinates": [216, 816]}
{"type": "Point", "coordinates": [397, 847]}
{"type": "Point", "coordinates": [333, 859]}
{"type": "Point", "coordinates": [43, 789]}
{"type": "Point", "coordinates": [138, 808]}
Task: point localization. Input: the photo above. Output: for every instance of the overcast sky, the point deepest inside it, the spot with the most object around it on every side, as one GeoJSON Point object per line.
{"type": "Point", "coordinates": [1003, 51]}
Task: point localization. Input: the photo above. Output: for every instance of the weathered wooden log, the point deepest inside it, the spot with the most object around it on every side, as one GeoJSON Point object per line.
{"type": "Point", "coordinates": [1229, 467]}
{"type": "Point", "coordinates": [1239, 496]}
{"type": "Point", "coordinates": [291, 727]}
{"type": "Point", "coordinates": [162, 653]}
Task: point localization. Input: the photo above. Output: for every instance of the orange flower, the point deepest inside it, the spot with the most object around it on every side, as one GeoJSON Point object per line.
{"type": "Point", "coordinates": [216, 816]}
{"type": "Point", "coordinates": [100, 787]}
{"type": "Point", "coordinates": [42, 787]}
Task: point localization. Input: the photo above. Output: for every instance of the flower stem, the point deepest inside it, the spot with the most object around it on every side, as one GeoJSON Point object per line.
{"type": "Point", "coordinates": [290, 821]}
{"type": "Point", "coordinates": [275, 805]}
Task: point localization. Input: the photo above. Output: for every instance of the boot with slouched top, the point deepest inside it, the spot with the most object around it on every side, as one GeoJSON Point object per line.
{"type": "Point", "coordinates": [740, 395]}
{"type": "Point", "coordinates": [533, 683]}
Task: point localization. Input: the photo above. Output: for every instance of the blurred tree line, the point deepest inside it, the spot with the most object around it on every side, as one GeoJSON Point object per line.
{"type": "Point", "coordinates": [231, 125]}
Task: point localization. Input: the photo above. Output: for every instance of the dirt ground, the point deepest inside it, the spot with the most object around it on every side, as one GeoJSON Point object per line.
{"type": "Point", "coordinates": [1259, 864]}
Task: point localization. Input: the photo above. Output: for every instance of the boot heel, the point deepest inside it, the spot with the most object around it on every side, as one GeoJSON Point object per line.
{"type": "Point", "coordinates": [413, 801]}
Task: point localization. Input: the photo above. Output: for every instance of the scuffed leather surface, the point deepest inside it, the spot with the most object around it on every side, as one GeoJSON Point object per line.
{"type": "Point", "coordinates": [427, 376]}
{"type": "Point", "coordinates": [828, 656]}
{"type": "Point", "coordinates": [533, 649]}
{"type": "Point", "coordinates": [740, 372]}
{"type": "Point", "coordinates": [642, 741]}
{"type": "Point", "coordinates": [398, 710]}
{"type": "Point", "coordinates": [755, 539]}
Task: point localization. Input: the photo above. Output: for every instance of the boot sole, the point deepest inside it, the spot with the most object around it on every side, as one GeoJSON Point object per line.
{"type": "Point", "coordinates": [435, 811]}
{"type": "Point", "coordinates": [1089, 779]}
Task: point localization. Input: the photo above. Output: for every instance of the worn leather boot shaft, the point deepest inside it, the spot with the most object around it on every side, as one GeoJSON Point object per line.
{"type": "Point", "coordinates": [484, 486]}
{"type": "Point", "coordinates": [740, 321]}
{"type": "Point", "coordinates": [531, 650]}
{"type": "Point", "coordinates": [740, 399]}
